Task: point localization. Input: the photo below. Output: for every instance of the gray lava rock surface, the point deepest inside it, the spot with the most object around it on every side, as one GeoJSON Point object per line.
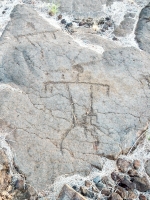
{"type": "Point", "coordinates": [142, 31]}
{"type": "Point", "coordinates": [67, 105]}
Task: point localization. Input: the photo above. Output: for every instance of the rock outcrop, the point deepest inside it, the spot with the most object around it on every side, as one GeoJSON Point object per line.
{"type": "Point", "coordinates": [143, 29]}
{"type": "Point", "coordinates": [126, 26]}
{"type": "Point", "coordinates": [67, 105]}
{"type": "Point", "coordinates": [81, 8]}
{"type": "Point", "coordinates": [13, 186]}
{"type": "Point", "coordinates": [115, 186]}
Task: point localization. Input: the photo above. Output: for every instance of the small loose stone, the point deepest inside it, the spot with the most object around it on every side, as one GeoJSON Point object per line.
{"type": "Point", "coordinates": [122, 192]}
{"type": "Point", "coordinates": [90, 194]}
{"type": "Point", "coordinates": [107, 18]}
{"type": "Point", "coordinates": [132, 194]}
{"type": "Point", "coordinates": [142, 197]}
{"type": "Point", "coordinates": [51, 13]}
{"type": "Point", "coordinates": [133, 173]}
{"type": "Point", "coordinates": [100, 186]}
{"type": "Point", "coordinates": [75, 187]}
{"type": "Point", "coordinates": [95, 189]}
{"type": "Point", "coordinates": [123, 165]}
{"type": "Point", "coordinates": [88, 183]}
{"type": "Point", "coordinates": [83, 190]}
{"type": "Point", "coordinates": [101, 21]}
{"type": "Point", "coordinates": [59, 17]}
{"type": "Point", "coordinates": [68, 25]}
{"type": "Point", "coordinates": [63, 21]}
{"type": "Point", "coordinates": [147, 167]}
{"type": "Point", "coordinates": [114, 38]}
{"type": "Point", "coordinates": [19, 184]}
{"type": "Point", "coordinates": [82, 23]}
{"type": "Point", "coordinates": [115, 196]}
{"type": "Point", "coordinates": [136, 164]}
{"type": "Point", "coordinates": [96, 179]}
{"type": "Point", "coordinates": [106, 191]}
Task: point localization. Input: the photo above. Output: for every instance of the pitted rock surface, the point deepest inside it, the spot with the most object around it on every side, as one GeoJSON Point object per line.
{"type": "Point", "coordinates": [67, 105]}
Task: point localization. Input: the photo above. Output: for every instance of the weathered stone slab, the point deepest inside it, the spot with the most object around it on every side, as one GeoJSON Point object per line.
{"type": "Point", "coordinates": [67, 193]}
{"type": "Point", "coordinates": [68, 105]}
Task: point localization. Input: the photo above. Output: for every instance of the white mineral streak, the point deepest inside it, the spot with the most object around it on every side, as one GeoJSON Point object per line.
{"type": "Point", "coordinates": [9, 87]}
{"type": "Point", "coordinates": [92, 47]}
{"type": "Point", "coordinates": [4, 145]}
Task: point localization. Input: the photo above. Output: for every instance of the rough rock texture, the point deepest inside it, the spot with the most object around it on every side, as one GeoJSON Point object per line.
{"type": "Point", "coordinates": [117, 186]}
{"type": "Point", "coordinates": [143, 29]}
{"type": "Point", "coordinates": [147, 167]}
{"type": "Point", "coordinates": [126, 26]}
{"type": "Point", "coordinates": [115, 196]}
{"type": "Point", "coordinates": [67, 105]}
{"type": "Point", "coordinates": [89, 37]}
{"type": "Point", "coordinates": [12, 186]}
{"type": "Point", "coordinates": [5, 178]}
{"type": "Point", "coordinates": [81, 8]}
{"type": "Point", "coordinates": [124, 165]}
{"type": "Point", "coordinates": [70, 194]}
{"type": "Point", "coordinates": [142, 183]}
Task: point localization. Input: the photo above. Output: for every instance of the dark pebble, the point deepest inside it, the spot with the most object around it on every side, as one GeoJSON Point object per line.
{"type": "Point", "coordinates": [114, 38]}
{"type": "Point", "coordinates": [90, 24]}
{"type": "Point", "coordinates": [81, 23]}
{"type": "Point", "coordinates": [101, 21]}
{"type": "Point", "coordinates": [51, 13]}
{"type": "Point", "coordinates": [3, 12]}
{"type": "Point", "coordinates": [59, 17]}
{"type": "Point", "coordinates": [69, 25]}
{"type": "Point", "coordinates": [103, 30]}
{"type": "Point", "coordinates": [75, 187]}
{"type": "Point", "coordinates": [107, 18]}
{"type": "Point", "coordinates": [63, 21]}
